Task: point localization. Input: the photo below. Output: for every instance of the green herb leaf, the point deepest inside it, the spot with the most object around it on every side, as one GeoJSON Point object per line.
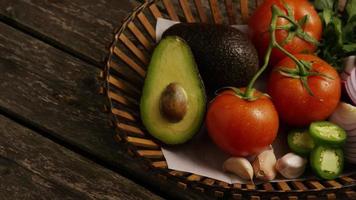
{"type": "Point", "coordinates": [326, 16]}
{"type": "Point", "coordinates": [337, 25]}
{"type": "Point", "coordinates": [349, 32]}
{"type": "Point", "coordinates": [339, 31]}
{"type": "Point", "coordinates": [324, 4]}
{"type": "Point", "coordinates": [349, 48]}
{"type": "Point", "coordinates": [351, 9]}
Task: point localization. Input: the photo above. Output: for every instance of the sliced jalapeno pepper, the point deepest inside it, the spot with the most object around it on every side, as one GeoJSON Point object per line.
{"type": "Point", "coordinates": [327, 162]}
{"type": "Point", "coordinates": [300, 142]}
{"type": "Point", "coordinates": [327, 133]}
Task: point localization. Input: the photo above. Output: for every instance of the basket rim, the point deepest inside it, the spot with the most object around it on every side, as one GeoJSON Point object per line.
{"type": "Point", "coordinates": [105, 89]}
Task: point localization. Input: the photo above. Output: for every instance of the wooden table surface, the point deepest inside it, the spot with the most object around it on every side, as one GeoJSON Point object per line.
{"type": "Point", "coordinates": [55, 142]}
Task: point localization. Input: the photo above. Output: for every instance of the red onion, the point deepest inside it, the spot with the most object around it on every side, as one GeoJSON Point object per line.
{"type": "Point", "coordinates": [345, 116]}
{"type": "Point", "coordinates": [349, 63]}
{"type": "Point", "coordinates": [351, 138]}
{"type": "Point", "coordinates": [351, 133]}
{"type": "Point", "coordinates": [346, 124]}
{"type": "Point", "coordinates": [349, 77]}
{"type": "Point", "coordinates": [351, 156]}
{"type": "Point", "coordinates": [350, 151]}
{"type": "Point", "coordinates": [351, 160]}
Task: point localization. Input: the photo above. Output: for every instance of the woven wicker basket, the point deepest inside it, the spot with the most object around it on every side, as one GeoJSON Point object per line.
{"type": "Point", "coordinates": [123, 79]}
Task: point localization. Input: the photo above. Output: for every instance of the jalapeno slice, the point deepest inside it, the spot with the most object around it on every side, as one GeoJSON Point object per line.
{"type": "Point", "coordinates": [300, 142]}
{"type": "Point", "coordinates": [327, 133]}
{"type": "Point", "coordinates": [327, 162]}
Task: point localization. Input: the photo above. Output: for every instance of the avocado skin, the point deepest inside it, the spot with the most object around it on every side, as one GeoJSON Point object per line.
{"type": "Point", "coordinates": [225, 56]}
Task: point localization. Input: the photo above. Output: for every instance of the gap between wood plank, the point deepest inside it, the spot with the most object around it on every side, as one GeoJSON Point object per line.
{"type": "Point", "coordinates": [26, 151]}
{"type": "Point", "coordinates": [48, 40]}
{"type": "Point", "coordinates": [47, 134]}
{"type": "Point", "coordinates": [120, 170]}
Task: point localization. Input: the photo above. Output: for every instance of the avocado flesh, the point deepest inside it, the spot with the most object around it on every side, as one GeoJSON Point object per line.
{"type": "Point", "coordinates": [225, 56]}
{"type": "Point", "coordinates": [172, 62]}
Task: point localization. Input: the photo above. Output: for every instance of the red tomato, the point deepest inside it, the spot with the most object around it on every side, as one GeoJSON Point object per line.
{"type": "Point", "coordinates": [241, 127]}
{"type": "Point", "coordinates": [294, 104]}
{"type": "Point", "coordinates": [260, 21]}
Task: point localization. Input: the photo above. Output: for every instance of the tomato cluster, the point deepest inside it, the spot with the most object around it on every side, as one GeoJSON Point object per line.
{"type": "Point", "coordinates": [302, 87]}
{"type": "Point", "coordinates": [260, 21]}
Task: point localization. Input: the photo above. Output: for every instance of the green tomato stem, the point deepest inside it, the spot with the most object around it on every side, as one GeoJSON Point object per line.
{"type": "Point", "coordinates": [272, 30]}
{"type": "Point", "coordinates": [276, 12]}
{"type": "Point", "coordinates": [249, 91]}
{"type": "Point", "coordinates": [300, 65]}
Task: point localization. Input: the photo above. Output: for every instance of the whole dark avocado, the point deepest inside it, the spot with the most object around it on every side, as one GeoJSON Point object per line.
{"type": "Point", "coordinates": [224, 55]}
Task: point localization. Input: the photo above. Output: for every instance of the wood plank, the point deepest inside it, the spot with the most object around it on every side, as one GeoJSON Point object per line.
{"type": "Point", "coordinates": [200, 8]}
{"type": "Point", "coordinates": [171, 10]}
{"type": "Point", "coordinates": [299, 185]}
{"type": "Point", "coordinates": [194, 177]}
{"type": "Point", "coordinates": [150, 153]}
{"type": "Point", "coordinates": [83, 26]}
{"type": "Point", "coordinates": [283, 186]}
{"type": "Point", "coordinates": [251, 186]}
{"type": "Point", "coordinates": [54, 171]}
{"type": "Point", "coordinates": [178, 173]}
{"type": "Point", "coordinates": [331, 196]}
{"type": "Point", "coordinates": [160, 164]}
{"type": "Point", "coordinates": [350, 194]}
{"type": "Point", "coordinates": [223, 184]}
{"type": "Point", "coordinates": [316, 185]}
{"type": "Point", "coordinates": [268, 186]}
{"type": "Point", "coordinates": [186, 10]}
{"type": "Point", "coordinates": [56, 94]}
{"type": "Point", "coordinates": [19, 183]}
{"type": "Point", "coordinates": [155, 11]}
{"type": "Point", "coordinates": [35, 75]}
{"type": "Point", "coordinates": [333, 183]}
{"type": "Point", "coordinates": [208, 181]}
{"type": "Point", "coordinates": [230, 11]}
{"type": "Point", "coordinates": [244, 9]}
{"type": "Point", "coordinates": [215, 11]}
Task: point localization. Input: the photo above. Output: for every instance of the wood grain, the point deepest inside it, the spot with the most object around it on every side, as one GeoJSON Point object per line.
{"type": "Point", "coordinates": [56, 94]}
{"type": "Point", "coordinates": [83, 26]}
{"type": "Point", "coordinates": [19, 183]}
{"type": "Point", "coordinates": [33, 167]}
{"type": "Point", "coordinates": [54, 91]}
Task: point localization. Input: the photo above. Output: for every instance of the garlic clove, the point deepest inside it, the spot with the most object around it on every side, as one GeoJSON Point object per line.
{"type": "Point", "coordinates": [252, 157]}
{"type": "Point", "coordinates": [291, 165]}
{"type": "Point", "coordinates": [239, 166]}
{"type": "Point", "coordinates": [264, 165]}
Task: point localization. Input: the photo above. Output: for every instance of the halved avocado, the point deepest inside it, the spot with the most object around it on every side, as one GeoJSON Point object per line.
{"type": "Point", "coordinates": [173, 101]}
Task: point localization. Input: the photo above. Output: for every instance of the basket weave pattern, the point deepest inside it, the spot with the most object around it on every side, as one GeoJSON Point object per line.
{"type": "Point", "coordinates": [123, 79]}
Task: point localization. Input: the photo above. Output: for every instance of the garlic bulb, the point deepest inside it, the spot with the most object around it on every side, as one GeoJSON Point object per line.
{"type": "Point", "coordinates": [291, 165]}
{"type": "Point", "coordinates": [264, 165]}
{"type": "Point", "coordinates": [239, 166]}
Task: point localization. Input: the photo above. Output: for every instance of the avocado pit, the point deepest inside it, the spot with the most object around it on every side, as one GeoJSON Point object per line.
{"type": "Point", "coordinates": [174, 102]}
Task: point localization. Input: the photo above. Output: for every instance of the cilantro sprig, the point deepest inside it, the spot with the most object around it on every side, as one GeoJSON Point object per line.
{"type": "Point", "coordinates": [339, 31]}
